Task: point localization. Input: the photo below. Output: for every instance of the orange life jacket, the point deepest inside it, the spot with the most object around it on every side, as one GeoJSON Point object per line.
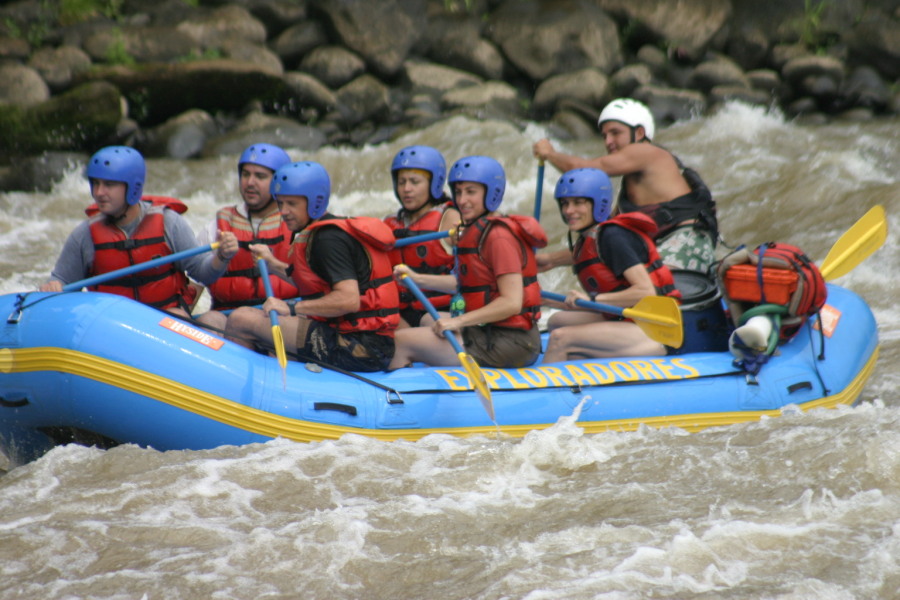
{"type": "Point", "coordinates": [597, 278]}
{"type": "Point", "coordinates": [428, 257]}
{"type": "Point", "coordinates": [478, 284]}
{"type": "Point", "coordinates": [379, 309]}
{"type": "Point", "coordinates": [163, 286]}
{"type": "Point", "coordinates": [241, 285]}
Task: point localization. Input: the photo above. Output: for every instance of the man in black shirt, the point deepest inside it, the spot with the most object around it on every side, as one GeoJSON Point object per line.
{"type": "Point", "coordinates": [343, 272]}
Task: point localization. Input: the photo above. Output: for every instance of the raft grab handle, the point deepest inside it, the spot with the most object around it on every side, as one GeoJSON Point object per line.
{"type": "Point", "coordinates": [344, 408]}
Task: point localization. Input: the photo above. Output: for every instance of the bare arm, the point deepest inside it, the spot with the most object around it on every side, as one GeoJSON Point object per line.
{"type": "Point", "coordinates": [449, 220]}
{"type": "Point", "coordinates": [342, 299]}
{"type": "Point", "coordinates": [551, 260]}
{"type": "Point", "coordinates": [441, 283]}
{"type": "Point", "coordinates": [641, 287]}
{"type": "Point", "coordinates": [507, 303]}
{"type": "Point", "coordinates": [545, 151]}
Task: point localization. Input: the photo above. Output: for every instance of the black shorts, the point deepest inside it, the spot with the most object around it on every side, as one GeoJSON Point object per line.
{"type": "Point", "coordinates": [412, 316]}
{"type": "Point", "coordinates": [357, 351]}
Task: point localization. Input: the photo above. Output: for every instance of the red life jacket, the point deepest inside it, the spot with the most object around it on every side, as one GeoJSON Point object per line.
{"type": "Point", "coordinates": [241, 285]}
{"type": "Point", "coordinates": [379, 308]}
{"type": "Point", "coordinates": [164, 286]}
{"type": "Point", "coordinates": [428, 257]}
{"type": "Point", "coordinates": [478, 284]}
{"type": "Point", "coordinates": [597, 278]}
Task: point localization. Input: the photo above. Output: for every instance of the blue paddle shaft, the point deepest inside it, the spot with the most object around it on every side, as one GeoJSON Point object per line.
{"type": "Point", "coordinates": [421, 297]}
{"type": "Point", "coordinates": [264, 275]}
{"type": "Point", "coordinates": [156, 262]}
{"type": "Point", "coordinates": [419, 239]}
{"type": "Point", "coordinates": [583, 303]}
{"type": "Point", "coordinates": [539, 191]}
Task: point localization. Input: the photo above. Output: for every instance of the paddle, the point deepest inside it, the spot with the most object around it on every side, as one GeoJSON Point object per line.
{"type": "Point", "coordinates": [156, 262]}
{"type": "Point", "coordinates": [861, 240]}
{"type": "Point", "coordinates": [658, 316]}
{"type": "Point", "coordinates": [471, 367]}
{"type": "Point", "coordinates": [539, 191]}
{"type": "Point", "coordinates": [277, 336]}
{"type": "Point", "coordinates": [425, 237]}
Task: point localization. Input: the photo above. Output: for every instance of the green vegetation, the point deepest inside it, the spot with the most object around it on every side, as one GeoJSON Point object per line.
{"type": "Point", "coordinates": [117, 53]}
{"type": "Point", "coordinates": [812, 34]}
{"type": "Point", "coordinates": [208, 54]}
{"type": "Point", "coordinates": [75, 11]}
{"type": "Point", "coordinates": [454, 6]}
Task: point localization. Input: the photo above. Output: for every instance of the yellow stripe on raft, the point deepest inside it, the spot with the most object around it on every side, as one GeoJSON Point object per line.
{"type": "Point", "coordinates": [260, 422]}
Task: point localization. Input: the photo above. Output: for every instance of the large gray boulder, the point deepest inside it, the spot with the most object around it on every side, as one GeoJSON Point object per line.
{"type": "Point", "coordinates": [382, 32]}
{"type": "Point", "coordinates": [21, 85]}
{"type": "Point", "coordinates": [687, 28]}
{"type": "Point", "coordinates": [59, 66]}
{"type": "Point", "coordinates": [255, 127]}
{"type": "Point", "coordinates": [586, 86]}
{"type": "Point", "coordinates": [544, 38]}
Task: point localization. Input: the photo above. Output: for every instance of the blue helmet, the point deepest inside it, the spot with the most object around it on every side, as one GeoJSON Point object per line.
{"type": "Point", "coordinates": [484, 170]}
{"type": "Point", "coordinates": [588, 183]}
{"type": "Point", "coordinates": [120, 163]}
{"type": "Point", "coordinates": [425, 158]}
{"type": "Point", "coordinates": [303, 179]}
{"type": "Point", "coordinates": [265, 155]}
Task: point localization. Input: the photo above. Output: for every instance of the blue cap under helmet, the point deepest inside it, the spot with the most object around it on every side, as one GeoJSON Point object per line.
{"type": "Point", "coordinates": [484, 170]}
{"type": "Point", "coordinates": [588, 183]}
{"type": "Point", "coordinates": [265, 155]}
{"type": "Point", "coordinates": [120, 163]}
{"type": "Point", "coordinates": [425, 158]}
{"type": "Point", "coordinates": [303, 179]}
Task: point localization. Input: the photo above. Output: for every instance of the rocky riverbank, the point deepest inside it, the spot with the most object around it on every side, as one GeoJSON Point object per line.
{"type": "Point", "coordinates": [189, 78]}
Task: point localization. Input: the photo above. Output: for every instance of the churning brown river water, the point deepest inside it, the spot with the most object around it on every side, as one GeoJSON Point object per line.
{"type": "Point", "coordinates": [806, 506]}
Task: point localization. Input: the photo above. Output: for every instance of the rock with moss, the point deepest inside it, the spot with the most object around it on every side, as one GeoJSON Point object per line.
{"type": "Point", "coordinates": [84, 117]}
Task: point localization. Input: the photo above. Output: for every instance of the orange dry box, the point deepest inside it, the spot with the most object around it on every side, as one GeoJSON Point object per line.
{"type": "Point", "coordinates": [741, 284]}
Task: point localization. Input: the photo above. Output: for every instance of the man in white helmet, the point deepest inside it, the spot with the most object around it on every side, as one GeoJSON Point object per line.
{"type": "Point", "coordinates": [654, 182]}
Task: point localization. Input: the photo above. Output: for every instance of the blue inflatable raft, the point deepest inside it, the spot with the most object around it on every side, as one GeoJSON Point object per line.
{"type": "Point", "coordinates": [96, 368]}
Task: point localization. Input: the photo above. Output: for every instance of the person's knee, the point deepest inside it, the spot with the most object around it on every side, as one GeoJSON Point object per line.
{"type": "Point", "coordinates": [556, 321]}
{"type": "Point", "coordinates": [242, 318]}
{"type": "Point", "coordinates": [559, 337]}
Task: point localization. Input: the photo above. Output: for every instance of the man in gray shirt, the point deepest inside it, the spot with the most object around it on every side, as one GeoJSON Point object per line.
{"type": "Point", "coordinates": [129, 231]}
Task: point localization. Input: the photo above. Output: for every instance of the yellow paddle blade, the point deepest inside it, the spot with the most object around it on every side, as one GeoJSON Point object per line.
{"type": "Point", "coordinates": [278, 340]}
{"type": "Point", "coordinates": [857, 244]}
{"type": "Point", "coordinates": [479, 382]}
{"type": "Point", "coordinates": [660, 318]}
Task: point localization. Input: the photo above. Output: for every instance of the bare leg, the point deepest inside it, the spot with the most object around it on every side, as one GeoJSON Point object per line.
{"type": "Point", "coordinates": [569, 318]}
{"type": "Point", "coordinates": [246, 325]}
{"type": "Point", "coordinates": [606, 339]}
{"type": "Point", "coordinates": [420, 344]}
{"type": "Point", "coordinates": [213, 319]}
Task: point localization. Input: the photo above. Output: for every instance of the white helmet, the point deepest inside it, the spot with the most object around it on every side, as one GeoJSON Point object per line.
{"type": "Point", "coordinates": [631, 112]}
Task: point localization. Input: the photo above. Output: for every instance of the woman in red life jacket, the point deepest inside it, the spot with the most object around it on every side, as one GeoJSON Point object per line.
{"type": "Point", "coordinates": [343, 272]}
{"type": "Point", "coordinates": [496, 276]}
{"type": "Point", "coordinates": [419, 173]}
{"type": "Point", "coordinates": [126, 229]}
{"type": "Point", "coordinates": [616, 262]}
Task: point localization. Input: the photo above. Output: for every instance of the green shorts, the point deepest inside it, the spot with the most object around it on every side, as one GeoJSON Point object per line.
{"type": "Point", "coordinates": [688, 249]}
{"type": "Point", "coordinates": [502, 347]}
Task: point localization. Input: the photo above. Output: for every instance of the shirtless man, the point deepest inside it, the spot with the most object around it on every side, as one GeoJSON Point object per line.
{"type": "Point", "coordinates": [654, 182]}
